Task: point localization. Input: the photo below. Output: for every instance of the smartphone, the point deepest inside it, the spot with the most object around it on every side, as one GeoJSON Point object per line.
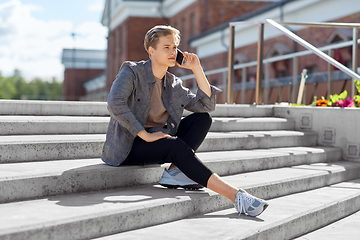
{"type": "Point", "coordinates": [180, 57]}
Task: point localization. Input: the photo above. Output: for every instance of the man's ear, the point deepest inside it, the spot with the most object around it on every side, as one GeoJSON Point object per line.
{"type": "Point", "coordinates": [151, 50]}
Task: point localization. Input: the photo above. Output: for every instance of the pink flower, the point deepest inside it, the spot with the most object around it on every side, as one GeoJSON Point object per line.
{"type": "Point", "coordinates": [339, 103]}
{"type": "Point", "coordinates": [352, 103]}
{"type": "Point", "coordinates": [347, 102]}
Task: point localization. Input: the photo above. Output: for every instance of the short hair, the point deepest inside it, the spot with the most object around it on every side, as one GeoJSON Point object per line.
{"type": "Point", "coordinates": [153, 35]}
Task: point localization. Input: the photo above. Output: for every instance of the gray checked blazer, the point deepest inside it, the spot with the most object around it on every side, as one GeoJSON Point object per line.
{"type": "Point", "coordinates": [129, 106]}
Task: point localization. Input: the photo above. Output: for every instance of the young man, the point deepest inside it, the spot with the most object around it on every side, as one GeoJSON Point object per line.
{"type": "Point", "coordinates": [146, 104]}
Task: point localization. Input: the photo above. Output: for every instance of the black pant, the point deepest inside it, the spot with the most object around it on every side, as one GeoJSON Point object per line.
{"type": "Point", "coordinates": [178, 149]}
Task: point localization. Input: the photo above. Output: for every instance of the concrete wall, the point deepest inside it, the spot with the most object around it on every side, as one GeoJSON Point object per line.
{"type": "Point", "coordinates": [339, 127]}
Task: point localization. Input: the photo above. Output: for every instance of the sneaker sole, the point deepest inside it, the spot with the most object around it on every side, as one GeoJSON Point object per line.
{"type": "Point", "coordinates": [264, 208]}
{"type": "Point", "coordinates": [186, 187]}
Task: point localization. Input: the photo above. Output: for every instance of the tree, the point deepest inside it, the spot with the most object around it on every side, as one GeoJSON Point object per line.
{"type": "Point", "coordinates": [7, 88]}
{"type": "Point", "coordinates": [16, 87]}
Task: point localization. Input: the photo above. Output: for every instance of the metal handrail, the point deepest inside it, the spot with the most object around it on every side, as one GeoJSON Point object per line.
{"type": "Point", "coordinates": [325, 24]}
{"type": "Point", "coordinates": [260, 61]}
{"type": "Point", "coordinates": [321, 54]}
{"type": "Point", "coordinates": [307, 24]}
{"type": "Point", "coordinates": [272, 59]}
{"type": "Point", "coordinates": [258, 91]}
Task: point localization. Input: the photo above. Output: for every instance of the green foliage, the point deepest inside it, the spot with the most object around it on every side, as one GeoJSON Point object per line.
{"type": "Point", "coordinates": [334, 98]}
{"type": "Point", "coordinates": [297, 105]}
{"type": "Point", "coordinates": [357, 85]}
{"type": "Point", "coordinates": [16, 87]}
{"type": "Point", "coordinates": [357, 97]}
{"type": "Point", "coordinates": [7, 88]}
{"type": "Point", "coordinates": [341, 100]}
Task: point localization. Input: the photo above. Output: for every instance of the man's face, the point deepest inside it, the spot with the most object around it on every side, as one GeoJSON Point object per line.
{"type": "Point", "coordinates": [165, 52]}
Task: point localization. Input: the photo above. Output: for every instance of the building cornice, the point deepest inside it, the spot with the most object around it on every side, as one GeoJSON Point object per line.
{"type": "Point", "coordinates": [120, 10]}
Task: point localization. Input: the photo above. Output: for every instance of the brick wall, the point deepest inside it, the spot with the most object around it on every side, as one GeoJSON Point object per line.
{"type": "Point", "coordinates": [217, 12]}
{"type": "Point", "coordinates": [126, 40]}
{"type": "Point", "coordinates": [74, 79]}
{"type": "Point", "coordinates": [316, 36]}
{"type": "Point", "coordinates": [203, 15]}
{"type": "Point", "coordinates": [127, 43]}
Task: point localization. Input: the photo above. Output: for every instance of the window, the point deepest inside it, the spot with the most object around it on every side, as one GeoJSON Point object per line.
{"type": "Point", "coordinates": [311, 69]}
{"type": "Point", "coordinates": [192, 24]}
{"type": "Point", "coordinates": [183, 29]}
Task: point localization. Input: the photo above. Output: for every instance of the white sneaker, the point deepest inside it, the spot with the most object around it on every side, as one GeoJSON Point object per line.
{"type": "Point", "coordinates": [175, 178]}
{"type": "Point", "coordinates": [248, 204]}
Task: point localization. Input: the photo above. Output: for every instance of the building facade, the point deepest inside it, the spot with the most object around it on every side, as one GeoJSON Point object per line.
{"type": "Point", "coordinates": [204, 26]}
{"type": "Point", "coordinates": [81, 66]}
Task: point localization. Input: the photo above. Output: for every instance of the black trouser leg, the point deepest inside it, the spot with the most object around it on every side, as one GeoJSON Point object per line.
{"type": "Point", "coordinates": [193, 129]}
{"type": "Point", "coordinates": [176, 150]}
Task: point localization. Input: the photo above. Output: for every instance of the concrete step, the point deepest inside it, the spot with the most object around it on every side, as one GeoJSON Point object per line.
{"type": "Point", "coordinates": [50, 147]}
{"type": "Point", "coordinates": [52, 108]}
{"type": "Point", "coordinates": [20, 181]}
{"type": "Point", "coordinates": [227, 124]}
{"type": "Point", "coordinates": [220, 141]}
{"type": "Point", "coordinates": [346, 228]}
{"type": "Point", "coordinates": [58, 147]}
{"type": "Point", "coordinates": [241, 110]}
{"type": "Point", "coordinates": [285, 218]}
{"type": "Point", "coordinates": [78, 108]}
{"type": "Point", "coordinates": [96, 214]}
{"type": "Point", "coordinates": [43, 125]}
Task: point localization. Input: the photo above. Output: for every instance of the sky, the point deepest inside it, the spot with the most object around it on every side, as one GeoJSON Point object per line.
{"type": "Point", "coordinates": [33, 34]}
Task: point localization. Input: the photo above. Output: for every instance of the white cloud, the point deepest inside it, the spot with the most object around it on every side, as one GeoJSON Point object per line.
{"type": "Point", "coordinates": [96, 6]}
{"type": "Point", "coordinates": [34, 46]}
{"type": "Point", "coordinates": [90, 35]}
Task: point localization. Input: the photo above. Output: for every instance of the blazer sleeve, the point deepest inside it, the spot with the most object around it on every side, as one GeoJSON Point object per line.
{"type": "Point", "coordinates": [120, 91]}
{"type": "Point", "coordinates": [200, 102]}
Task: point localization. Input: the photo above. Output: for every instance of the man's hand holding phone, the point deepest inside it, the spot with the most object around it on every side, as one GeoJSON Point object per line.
{"type": "Point", "coordinates": [180, 57]}
{"type": "Point", "coordinates": [192, 62]}
{"type": "Point", "coordinates": [187, 60]}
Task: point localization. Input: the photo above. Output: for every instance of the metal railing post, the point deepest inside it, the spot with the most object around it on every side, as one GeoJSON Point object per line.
{"type": "Point", "coordinates": [230, 85]}
{"type": "Point", "coordinates": [289, 92]}
{"type": "Point", "coordinates": [259, 69]}
{"type": "Point", "coordinates": [355, 59]}
{"type": "Point", "coordinates": [330, 75]}
{"type": "Point", "coordinates": [267, 83]}
{"type": "Point", "coordinates": [314, 91]}
{"type": "Point", "coordinates": [224, 74]}
{"type": "Point", "coordinates": [295, 70]}
{"type": "Point", "coordinates": [243, 84]}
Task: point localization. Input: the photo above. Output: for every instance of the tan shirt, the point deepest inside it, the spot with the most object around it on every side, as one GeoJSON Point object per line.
{"type": "Point", "coordinates": [158, 115]}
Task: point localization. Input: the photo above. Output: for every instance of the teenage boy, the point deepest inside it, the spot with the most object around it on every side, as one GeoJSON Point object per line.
{"type": "Point", "coordinates": [146, 105]}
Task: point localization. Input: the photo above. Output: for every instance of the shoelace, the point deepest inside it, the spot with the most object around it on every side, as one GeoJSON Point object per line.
{"type": "Point", "coordinates": [241, 201]}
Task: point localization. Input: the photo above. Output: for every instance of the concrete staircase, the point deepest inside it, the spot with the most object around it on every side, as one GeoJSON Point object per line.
{"type": "Point", "coordinates": [53, 184]}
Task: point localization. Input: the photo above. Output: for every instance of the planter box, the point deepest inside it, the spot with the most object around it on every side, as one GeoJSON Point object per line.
{"type": "Point", "coordinates": [338, 127]}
